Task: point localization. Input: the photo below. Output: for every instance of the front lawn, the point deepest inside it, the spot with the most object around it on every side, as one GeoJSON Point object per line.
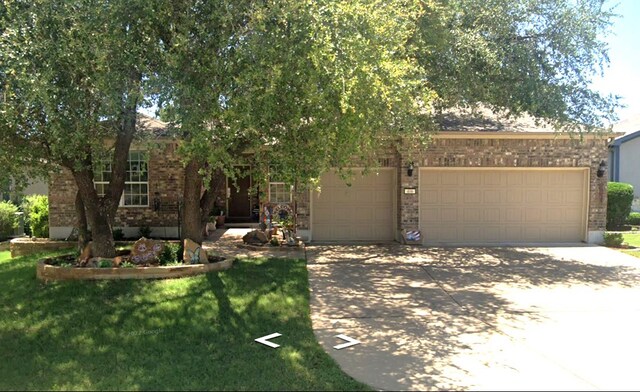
{"type": "Point", "coordinates": [192, 333]}
{"type": "Point", "coordinates": [633, 239]}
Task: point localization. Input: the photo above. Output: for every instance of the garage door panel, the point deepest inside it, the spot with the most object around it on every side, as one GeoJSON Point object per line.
{"type": "Point", "coordinates": [515, 195]}
{"type": "Point", "coordinates": [360, 212]}
{"type": "Point", "coordinates": [495, 205]}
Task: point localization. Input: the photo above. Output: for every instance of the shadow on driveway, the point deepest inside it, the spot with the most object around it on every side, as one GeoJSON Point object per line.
{"type": "Point", "coordinates": [478, 318]}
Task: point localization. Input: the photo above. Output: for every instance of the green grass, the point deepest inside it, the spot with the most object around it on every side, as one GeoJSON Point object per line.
{"type": "Point", "coordinates": [192, 333]}
{"type": "Point", "coordinates": [632, 239]}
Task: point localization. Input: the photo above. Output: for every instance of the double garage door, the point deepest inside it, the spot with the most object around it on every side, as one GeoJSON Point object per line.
{"type": "Point", "coordinates": [458, 206]}
{"type": "Point", "coordinates": [466, 206]}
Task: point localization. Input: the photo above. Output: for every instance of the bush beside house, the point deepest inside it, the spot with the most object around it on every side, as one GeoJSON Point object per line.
{"type": "Point", "coordinates": [8, 219]}
{"type": "Point", "coordinates": [36, 215]}
{"type": "Point", "coordinates": [634, 218]}
{"type": "Point", "coordinates": [619, 199]}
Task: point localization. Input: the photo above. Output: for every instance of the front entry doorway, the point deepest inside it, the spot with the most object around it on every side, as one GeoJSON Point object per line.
{"type": "Point", "coordinates": [240, 200]}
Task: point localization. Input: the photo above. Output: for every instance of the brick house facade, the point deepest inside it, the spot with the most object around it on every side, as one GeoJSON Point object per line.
{"type": "Point", "coordinates": [491, 154]}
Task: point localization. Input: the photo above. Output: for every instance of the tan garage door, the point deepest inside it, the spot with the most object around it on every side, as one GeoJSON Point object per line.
{"type": "Point", "coordinates": [467, 206]}
{"type": "Point", "coordinates": [362, 212]}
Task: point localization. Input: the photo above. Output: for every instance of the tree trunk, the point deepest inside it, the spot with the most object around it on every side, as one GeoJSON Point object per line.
{"type": "Point", "coordinates": [191, 217]}
{"type": "Point", "coordinates": [97, 214]}
{"type": "Point", "coordinates": [81, 222]}
{"type": "Point", "coordinates": [101, 211]}
{"type": "Point", "coordinates": [198, 204]}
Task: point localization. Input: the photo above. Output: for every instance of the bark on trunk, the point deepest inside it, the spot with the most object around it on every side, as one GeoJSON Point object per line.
{"type": "Point", "coordinates": [198, 204]}
{"type": "Point", "coordinates": [81, 222]}
{"type": "Point", "coordinates": [101, 211]}
{"type": "Point", "coordinates": [191, 223]}
{"type": "Point", "coordinates": [97, 213]}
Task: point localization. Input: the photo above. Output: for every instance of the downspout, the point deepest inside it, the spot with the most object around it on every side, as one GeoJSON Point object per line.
{"type": "Point", "coordinates": [616, 163]}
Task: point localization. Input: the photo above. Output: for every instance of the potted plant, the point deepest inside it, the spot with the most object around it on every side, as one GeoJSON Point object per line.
{"type": "Point", "coordinates": [217, 213]}
{"type": "Point", "coordinates": [211, 224]}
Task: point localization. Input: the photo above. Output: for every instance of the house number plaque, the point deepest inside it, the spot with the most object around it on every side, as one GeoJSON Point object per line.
{"type": "Point", "coordinates": [409, 191]}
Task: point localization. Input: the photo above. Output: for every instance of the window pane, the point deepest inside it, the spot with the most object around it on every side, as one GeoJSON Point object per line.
{"type": "Point", "coordinates": [144, 200]}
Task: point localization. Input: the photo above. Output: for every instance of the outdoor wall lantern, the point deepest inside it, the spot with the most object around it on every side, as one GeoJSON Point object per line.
{"type": "Point", "coordinates": [156, 201]}
{"type": "Point", "coordinates": [601, 169]}
{"type": "Point", "coordinates": [410, 169]}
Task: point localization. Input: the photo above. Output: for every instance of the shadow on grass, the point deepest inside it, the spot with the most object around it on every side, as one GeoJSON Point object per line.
{"type": "Point", "coordinates": [429, 310]}
{"type": "Point", "coordinates": [191, 333]}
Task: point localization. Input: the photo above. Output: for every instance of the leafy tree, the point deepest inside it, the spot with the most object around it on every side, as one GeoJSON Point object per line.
{"type": "Point", "coordinates": [303, 86]}
{"type": "Point", "coordinates": [306, 86]}
{"type": "Point", "coordinates": [71, 80]}
{"type": "Point", "coordinates": [535, 56]}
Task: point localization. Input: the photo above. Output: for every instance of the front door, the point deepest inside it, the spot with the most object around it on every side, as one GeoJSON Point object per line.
{"type": "Point", "coordinates": [239, 200]}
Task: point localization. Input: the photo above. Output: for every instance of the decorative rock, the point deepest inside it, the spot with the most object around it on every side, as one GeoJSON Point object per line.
{"type": "Point", "coordinates": [86, 253]}
{"type": "Point", "coordinates": [255, 237]}
{"type": "Point", "coordinates": [193, 253]}
{"type": "Point", "coordinates": [146, 251]}
{"type": "Point", "coordinates": [118, 260]}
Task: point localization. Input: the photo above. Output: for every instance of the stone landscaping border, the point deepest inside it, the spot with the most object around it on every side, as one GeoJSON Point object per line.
{"type": "Point", "coordinates": [267, 247]}
{"type": "Point", "coordinates": [25, 246]}
{"type": "Point", "coordinates": [48, 272]}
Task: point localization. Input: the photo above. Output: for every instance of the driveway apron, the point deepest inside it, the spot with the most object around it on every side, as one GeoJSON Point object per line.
{"type": "Point", "coordinates": [479, 318]}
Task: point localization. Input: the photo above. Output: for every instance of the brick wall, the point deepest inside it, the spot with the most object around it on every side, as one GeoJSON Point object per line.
{"type": "Point", "coordinates": [504, 152]}
{"type": "Point", "coordinates": [165, 177]}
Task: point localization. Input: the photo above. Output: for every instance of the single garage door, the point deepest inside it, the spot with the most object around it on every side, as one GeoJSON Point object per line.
{"type": "Point", "coordinates": [468, 206]}
{"type": "Point", "coordinates": [363, 211]}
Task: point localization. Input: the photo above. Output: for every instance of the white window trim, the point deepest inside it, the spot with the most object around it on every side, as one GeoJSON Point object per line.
{"type": "Point", "coordinates": [281, 183]}
{"type": "Point", "coordinates": [121, 202]}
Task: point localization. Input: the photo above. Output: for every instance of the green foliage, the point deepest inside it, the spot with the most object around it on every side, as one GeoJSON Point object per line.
{"type": "Point", "coordinates": [274, 241]}
{"type": "Point", "coordinates": [526, 55]}
{"type": "Point", "coordinates": [105, 264]}
{"type": "Point", "coordinates": [145, 231]}
{"type": "Point", "coordinates": [36, 213]}
{"type": "Point", "coordinates": [8, 221]}
{"type": "Point", "coordinates": [619, 200]}
{"type": "Point", "coordinates": [613, 239]}
{"type": "Point", "coordinates": [634, 218]}
{"type": "Point", "coordinates": [172, 253]}
{"type": "Point", "coordinates": [118, 234]}
{"type": "Point", "coordinates": [127, 264]}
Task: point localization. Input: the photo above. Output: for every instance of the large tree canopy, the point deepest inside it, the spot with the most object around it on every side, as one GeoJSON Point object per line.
{"type": "Point", "coordinates": [535, 56]}
{"type": "Point", "coordinates": [71, 79]}
{"type": "Point", "coordinates": [303, 85]}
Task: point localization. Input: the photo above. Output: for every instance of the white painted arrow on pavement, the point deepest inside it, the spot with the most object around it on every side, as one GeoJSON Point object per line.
{"type": "Point", "coordinates": [350, 342]}
{"type": "Point", "coordinates": [265, 340]}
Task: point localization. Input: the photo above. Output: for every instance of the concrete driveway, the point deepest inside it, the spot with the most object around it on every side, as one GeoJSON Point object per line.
{"type": "Point", "coordinates": [565, 318]}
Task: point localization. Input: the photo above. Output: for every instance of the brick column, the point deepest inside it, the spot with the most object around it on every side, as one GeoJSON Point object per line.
{"type": "Point", "coordinates": [408, 218]}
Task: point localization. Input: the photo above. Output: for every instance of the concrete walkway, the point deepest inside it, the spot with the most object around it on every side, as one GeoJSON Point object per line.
{"type": "Point", "coordinates": [224, 242]}
{"type": "Point", "coordinates": [565, 318]}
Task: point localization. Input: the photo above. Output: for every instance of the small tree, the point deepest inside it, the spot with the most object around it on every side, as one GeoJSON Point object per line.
{"type": "Point", "coordinates": [619, 200]}
{"type": "Point", "coordinates": [8, 221]}
{"type": "Point", "coordinates": [36, 215]}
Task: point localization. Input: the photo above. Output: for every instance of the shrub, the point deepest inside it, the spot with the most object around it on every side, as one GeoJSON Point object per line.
{"type": "Point", "coordinates": [634, 218]}
{"type": "Point", "coordinates": [36, 215]}
{"type": "Point", "coordinates": [172, 253]}
{"type": "Point", "coordinates": [613, 239]}
{"type": "Point", "coordinates": [8, 221]}
{"type": "Point", "coordinates": [118, 234]}
{"type": "Point", "coordinates": [619, 199]}
{"type": "Point", "coordinates": [145, 231]}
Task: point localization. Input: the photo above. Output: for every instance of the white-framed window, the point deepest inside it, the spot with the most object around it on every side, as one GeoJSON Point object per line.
{"type": "Point", "coordinates": [136, 182]}
{"type": "Point", "coordinates": [279, 192]}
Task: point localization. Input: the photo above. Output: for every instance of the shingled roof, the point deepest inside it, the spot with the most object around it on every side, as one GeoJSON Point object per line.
{"type": "Point", "coordinates": [483, 119]}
